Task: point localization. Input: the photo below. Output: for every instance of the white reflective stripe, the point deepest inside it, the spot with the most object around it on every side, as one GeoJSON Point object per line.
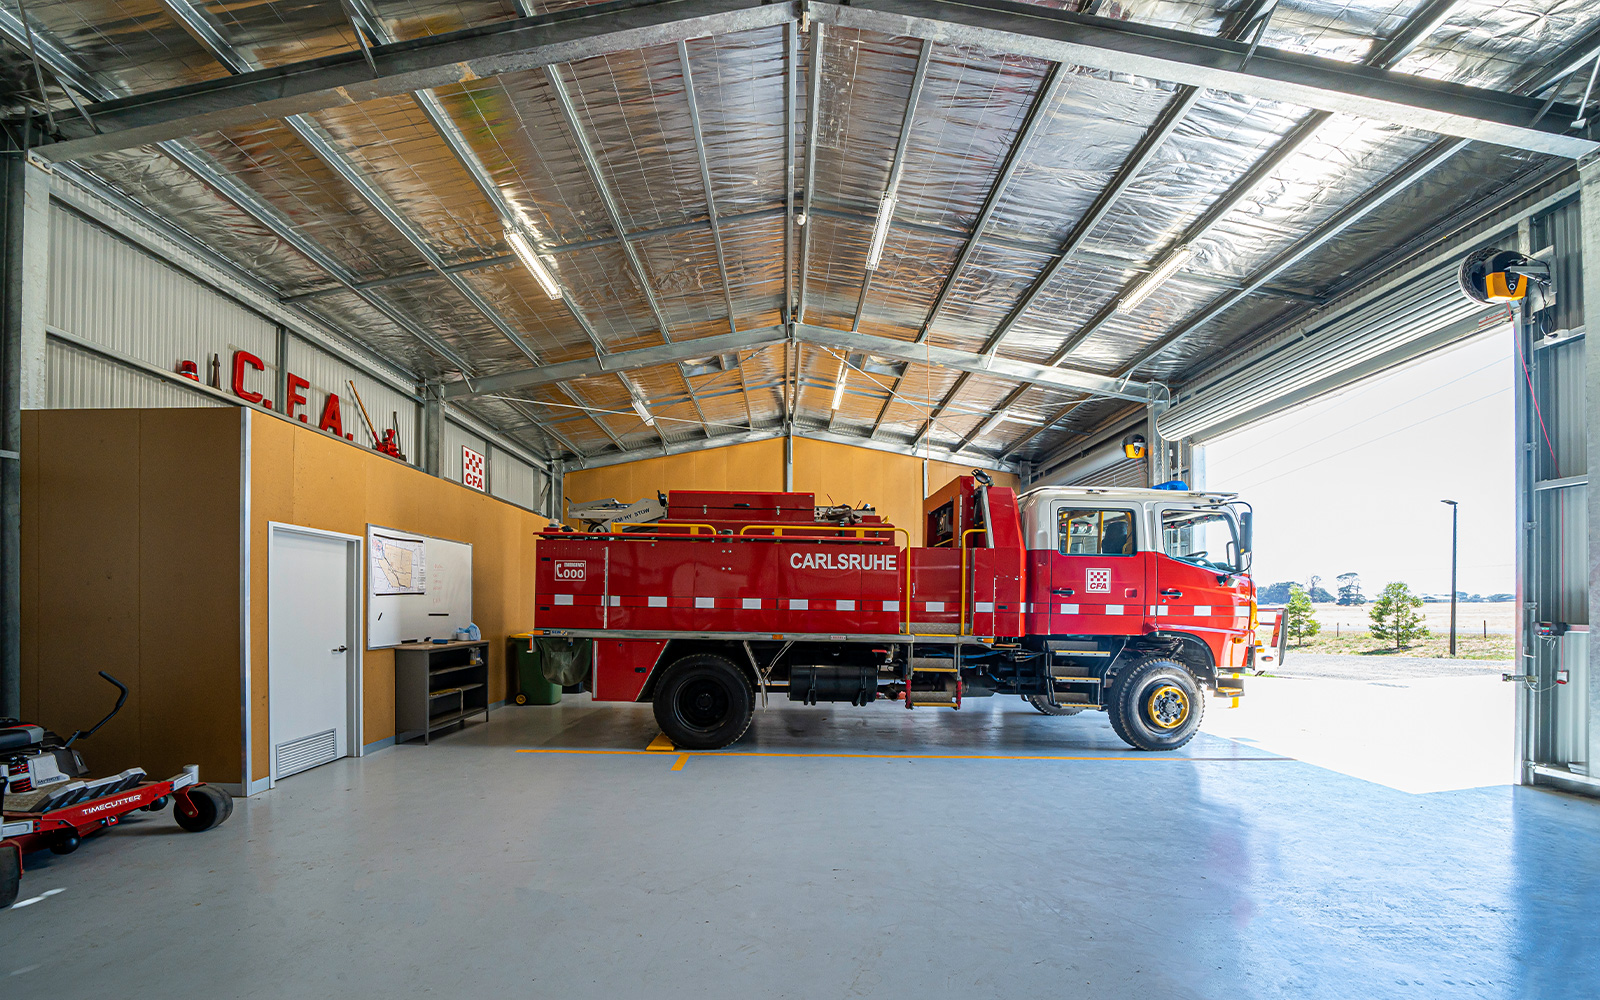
{"type": "Point", "coordinates": [891, 605]}
{"type": "Point", "coordinates": [844, 605]}
{"type": "Point", "coordinates": [657, 602]}
{"type": "Point", "coordinates": [933, 606]}
{"type": "Point", "coordinates": [1160, 609]}
{"type": "Point", "coordinates": [616, 600]}
{"type": "Point", "coordinates": [562, 598]}
{"type": "Point", "coordinates": [799, 605]}
{"type": "Point", "coordinates": [705, 602]}
{"type": "Point", "coordinates": [1067, 609]}
{"type": "Point", "coordinates": [1113, 609]}
{"type": "Point", "coordinates": [1202, 611]}
{"type": "Point", "coordinates": [749, 603]}
{"type": "Point", "coordinates": [984, 607]}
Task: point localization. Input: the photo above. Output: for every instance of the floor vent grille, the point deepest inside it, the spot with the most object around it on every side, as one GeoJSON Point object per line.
{"type": "Point", "coordinates": [307, 751]}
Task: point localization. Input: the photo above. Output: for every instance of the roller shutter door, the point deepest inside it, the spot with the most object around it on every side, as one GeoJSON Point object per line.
{"type": "Point", "coordinates": [1390, 329]}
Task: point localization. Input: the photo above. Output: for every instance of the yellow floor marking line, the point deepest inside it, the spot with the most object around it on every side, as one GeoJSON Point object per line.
{"type": "Point", "coordinates": [1149, 758]}
{"type": "Point", "coordinates": [677, 765]}
{"type": "Point", "coordinates": [661, 744]}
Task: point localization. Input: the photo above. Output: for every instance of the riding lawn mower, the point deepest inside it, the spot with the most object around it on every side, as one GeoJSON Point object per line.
{"type": "Point", "coordinates": [46, 800]}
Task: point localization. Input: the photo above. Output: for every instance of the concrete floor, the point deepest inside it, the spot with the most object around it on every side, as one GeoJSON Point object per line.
{"type": "Point", "coordinates": [850, 852]}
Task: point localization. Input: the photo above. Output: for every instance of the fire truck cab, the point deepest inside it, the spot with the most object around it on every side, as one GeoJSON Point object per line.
{"type": "Point", "coordinates": [1134, 602]}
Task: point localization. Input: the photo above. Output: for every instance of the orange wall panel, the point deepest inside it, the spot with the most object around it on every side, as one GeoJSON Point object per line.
{"type": "Point", "coordinates": [836, 473]}
{"type": "Point", "coordinates": [304, 477]}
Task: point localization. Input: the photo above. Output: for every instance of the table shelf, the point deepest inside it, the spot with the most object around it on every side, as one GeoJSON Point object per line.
{"type": "Point", "coordinates": [438, 685]}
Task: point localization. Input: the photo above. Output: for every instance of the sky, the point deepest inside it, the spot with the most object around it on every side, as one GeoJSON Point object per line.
{"type": "Point", "coordinates": [1352, 481]}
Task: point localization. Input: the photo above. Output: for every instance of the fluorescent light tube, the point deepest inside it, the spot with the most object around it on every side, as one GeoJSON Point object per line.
{"type": "Point", "coordinates": [523, 248]}
{"type": "Point", "coordinates": [644, 413]}
{"type": "Point", "coordinates": [1153, 280]}
{"type": "Point", "coordinates": [880, 232]}
{"type": "Point", "coordinates": [838, 385]}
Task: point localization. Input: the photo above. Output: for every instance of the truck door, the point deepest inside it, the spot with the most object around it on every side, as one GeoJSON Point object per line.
{"type": "Point", "coordinates": [1195, 581]}
{"type": "Point", "coordinates": [1097, 570]}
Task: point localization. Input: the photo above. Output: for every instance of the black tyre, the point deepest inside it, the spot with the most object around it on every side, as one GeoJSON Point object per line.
{"type": "Point", "coordinates": [704, 702]}
{"type": "Point", "coordinates": [1042, 703]}
{"type": "Point", "coordinates": [66, 845]}
{"type": "Point", "coordinates": [1156, 704]}
{"type": "Point", "coordinates": [212, 806]}
{"type": "Point", "coordinates": [10, 875]}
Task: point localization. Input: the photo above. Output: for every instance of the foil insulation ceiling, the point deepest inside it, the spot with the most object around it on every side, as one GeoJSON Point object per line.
{"type": "Point", "coordinates": [713, 188]}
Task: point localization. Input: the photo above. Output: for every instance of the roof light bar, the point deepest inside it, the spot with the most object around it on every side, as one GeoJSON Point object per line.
{"type": "Point", "coordinates": [1153, 280]}
{"type": "Point", "coordinates": [523, 248]}
{"type": "Point", "coordinates": [838, 385]}
{"type": "Point", "coordinates": [880, 231]}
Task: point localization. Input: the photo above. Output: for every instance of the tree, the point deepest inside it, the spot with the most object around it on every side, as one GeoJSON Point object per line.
{"type": "Point", "coordinates": [1394, 616]}
{"type": "Point", "coordinates": [1350, 590]}
{"type": "Point", "coordinates": [1298, 618]}
{"type": "Point", "coordinates": [1275, 593]}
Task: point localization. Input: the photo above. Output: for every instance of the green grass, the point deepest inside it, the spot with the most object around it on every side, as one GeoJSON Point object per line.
{"type": "Point", "coordinates": [1468, 646]}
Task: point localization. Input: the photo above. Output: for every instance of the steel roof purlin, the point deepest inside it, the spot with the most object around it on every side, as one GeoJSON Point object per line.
{"type": "Point", "coordinates": [1156, 53]}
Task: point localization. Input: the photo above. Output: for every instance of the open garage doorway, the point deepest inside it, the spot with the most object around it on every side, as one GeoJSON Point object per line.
{"type": "Point", "coordinates": [1348, 490]}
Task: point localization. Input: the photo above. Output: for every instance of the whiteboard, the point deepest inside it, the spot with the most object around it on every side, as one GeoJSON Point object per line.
{"type": "Point", "coordinates": [407, 602]}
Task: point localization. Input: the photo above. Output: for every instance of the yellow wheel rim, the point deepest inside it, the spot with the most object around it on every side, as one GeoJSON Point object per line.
{"type": "Point", "coordinates": [1168, 707]}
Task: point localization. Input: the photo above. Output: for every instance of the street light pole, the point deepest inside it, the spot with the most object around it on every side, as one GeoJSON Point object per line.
{"type": "Point", "coordinates": [1455, 510]}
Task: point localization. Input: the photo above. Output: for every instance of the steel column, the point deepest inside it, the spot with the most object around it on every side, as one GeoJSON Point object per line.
{"type": "Point", "coordinates": [1589, 200]}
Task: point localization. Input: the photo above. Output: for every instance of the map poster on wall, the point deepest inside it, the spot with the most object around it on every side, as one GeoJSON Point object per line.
{"type": "Point", "coordinates": [398, 565]}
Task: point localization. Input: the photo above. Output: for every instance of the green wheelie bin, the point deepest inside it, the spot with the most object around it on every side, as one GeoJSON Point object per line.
{"type": "Point", "coordinates": [532, 687]}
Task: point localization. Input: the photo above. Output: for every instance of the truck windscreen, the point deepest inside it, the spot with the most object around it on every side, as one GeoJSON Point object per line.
{"type": "Point", "coordinates": [1208, 538]}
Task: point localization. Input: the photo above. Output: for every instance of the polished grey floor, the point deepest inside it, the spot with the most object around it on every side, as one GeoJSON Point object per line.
{"type": "Point", "coordinates": [849, 852]}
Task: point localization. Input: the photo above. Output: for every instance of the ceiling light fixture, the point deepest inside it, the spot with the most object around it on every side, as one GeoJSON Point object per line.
{"type": "Point", "coordinates": [523, 248]}
{"type": "Point", "coordinates": [644, 413]}
{"type": "Point", "coordinates": [880, 231]}
{"type": "Point", "coordinates": [1153, 280]}
{"type": "Point", "coordinates": [838, 385]}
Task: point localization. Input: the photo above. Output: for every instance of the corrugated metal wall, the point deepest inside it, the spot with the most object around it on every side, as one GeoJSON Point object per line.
{"type": "Point", "coordinates": [107, 291]}
{"type": "Point", "coordinates": [80, 379]}
{"type": "Point", "coordinates": [455, 437]}
{"type": "Point", "coordinates": [1130, 473]}
{"type": "Point", "coordinates": [328, 374]}
{"type": "Point", "coordinates": [515, 481]}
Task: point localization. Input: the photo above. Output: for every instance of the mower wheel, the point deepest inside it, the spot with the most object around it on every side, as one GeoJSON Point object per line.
{"type": "Point", "coordinates": [212, 806]}
{"type": "Point", "coordinates": [10, 874]}
{"type": "Point", "coordinates": [66, 845]}
{"type": "Point", "coordinates": [521, 698]}
{"type": "Point", "coordinates": [156, 805]}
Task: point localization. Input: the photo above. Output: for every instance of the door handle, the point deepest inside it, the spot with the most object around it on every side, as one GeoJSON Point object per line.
{"type": "Point", "coordinates": [1172, 593]}
{"type": "Point", "coordinates": [340, 649]}
{"type": "Point", "coordinates": [1064, 591]}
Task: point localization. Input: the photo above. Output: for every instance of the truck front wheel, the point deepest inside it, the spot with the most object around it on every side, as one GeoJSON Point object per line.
{"type": "Point", "coordinates": [1156, 704]}
{"type": "Point", "coordinates": [704, 702]}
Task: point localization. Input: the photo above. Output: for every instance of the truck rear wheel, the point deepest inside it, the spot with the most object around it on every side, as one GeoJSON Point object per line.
{"type": "Point", "coordinates": [704, 702]}
{"type": "Point", "coordinates": [1042, 703]}
{"type": "Point", "coordinates": [1156, 704]}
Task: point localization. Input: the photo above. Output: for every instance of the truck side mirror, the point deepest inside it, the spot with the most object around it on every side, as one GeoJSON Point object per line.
{"type": "Point", "coordinates": [1246, 523]}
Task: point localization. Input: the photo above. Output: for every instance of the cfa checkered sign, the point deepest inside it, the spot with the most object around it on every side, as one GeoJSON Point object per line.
{"type": "Point", "coordinates": [472, 469]}
{"type": "Point", "coordinates": [1098, 581]}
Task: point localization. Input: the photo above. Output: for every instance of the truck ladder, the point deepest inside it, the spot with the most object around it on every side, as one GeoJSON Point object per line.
{"type": "Point", "coordinates": [940, 678]}
{"type": "Point", "coordinates": [1071, 685]}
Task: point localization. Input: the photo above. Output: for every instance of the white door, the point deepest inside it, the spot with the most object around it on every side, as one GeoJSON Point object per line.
{"type": "Point", "coordinates": [310, 649]}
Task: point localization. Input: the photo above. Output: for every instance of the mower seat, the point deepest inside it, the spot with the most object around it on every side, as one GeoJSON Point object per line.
{"type": "Point", "coordinates": [20, 737]}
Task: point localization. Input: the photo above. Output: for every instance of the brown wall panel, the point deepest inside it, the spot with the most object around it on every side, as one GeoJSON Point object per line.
{"type": "Point", "coordinates": [189, 472]}
{"type": "Point", "coordinates": [133, 523]}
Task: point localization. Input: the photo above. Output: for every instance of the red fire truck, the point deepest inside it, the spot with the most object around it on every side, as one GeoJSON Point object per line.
{"type": "Point", "coordinates": [1130, 601]}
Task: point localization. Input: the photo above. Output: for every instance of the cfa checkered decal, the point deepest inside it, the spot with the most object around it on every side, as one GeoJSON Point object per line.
{"type": "Point", "coordinates": [1097, 580]}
